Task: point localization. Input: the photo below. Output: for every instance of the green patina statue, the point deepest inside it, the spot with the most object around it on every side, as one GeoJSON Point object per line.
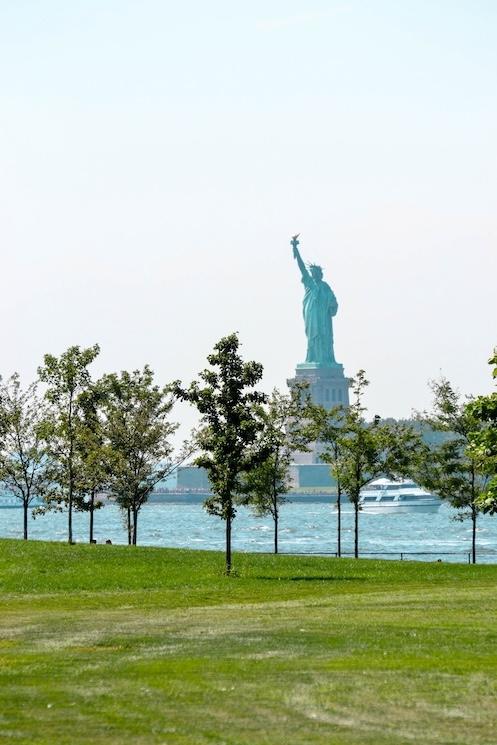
{"type": "Point", "coordinates": [319, 307]}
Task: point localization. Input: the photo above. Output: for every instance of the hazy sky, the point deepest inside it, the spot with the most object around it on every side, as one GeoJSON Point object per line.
{"type": "Point", "coordinates": [156, 157]}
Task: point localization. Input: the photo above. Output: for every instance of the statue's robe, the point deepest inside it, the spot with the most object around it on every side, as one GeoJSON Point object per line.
{"type": "Point", "coordinates": [320, 305]}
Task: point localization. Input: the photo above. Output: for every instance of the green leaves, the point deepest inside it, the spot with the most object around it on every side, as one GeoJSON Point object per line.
{"type": "Point", "coordinates": [357, 448]}
{"type": "Point", "coordinates": [137, 429]}
{"type": "Point", "coordinates": [111, 434]}
{"type": "Point", "coordinates": [232, 425]}
{"type": "Point", "coordinates": [359, 451]}
{"type": "Point", "coordinates": [67, 374]}
{"type": "Point", "coordinates": [483, 443]}
{"type": "Point", "coordinates": [284, 431]}
{"type": "Point", "coordinates": [23, 461]}
{"type": "Point", "coordinates": [68, 384]}
{"type": "Point", "coordinates": [231, 421]}
{"type": "Point", "coordinates": [452, 468]}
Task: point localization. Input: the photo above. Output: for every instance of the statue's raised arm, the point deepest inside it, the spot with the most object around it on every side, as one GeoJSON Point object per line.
{"type": "Point", "coordinates": [296, 255]}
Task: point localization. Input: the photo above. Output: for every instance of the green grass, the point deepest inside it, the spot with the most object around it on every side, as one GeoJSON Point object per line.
{"type": "Point", "coordinates": [110, 644]}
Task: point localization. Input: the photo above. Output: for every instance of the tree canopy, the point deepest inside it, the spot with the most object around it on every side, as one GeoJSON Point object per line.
{"type": "Point", "coordinates": [231, 426]}
{"type": "Point", "coordinates": [138, 430]}
{"type": "Point", "coordinates": [483, 443]}
{"type": "Point", "coordinates": [67, 378]}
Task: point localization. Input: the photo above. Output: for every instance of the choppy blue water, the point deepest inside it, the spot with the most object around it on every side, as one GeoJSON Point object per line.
{"type": "Point", "coordinates": [304, 528]}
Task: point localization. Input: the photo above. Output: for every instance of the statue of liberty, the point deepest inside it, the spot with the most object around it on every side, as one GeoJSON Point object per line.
{"type": "Point", "coordinates": [319, 307]}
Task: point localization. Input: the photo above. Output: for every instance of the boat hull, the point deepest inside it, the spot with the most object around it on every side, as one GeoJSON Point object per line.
{"type": "Point", "coordinates": [399, 509]}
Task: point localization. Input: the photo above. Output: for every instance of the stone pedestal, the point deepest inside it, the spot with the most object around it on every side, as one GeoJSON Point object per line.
{"type": "Point", "coordinates": [329, 387]}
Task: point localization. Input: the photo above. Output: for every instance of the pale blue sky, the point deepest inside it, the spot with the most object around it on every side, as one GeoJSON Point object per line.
{"type": "Point", "coordinates": [156, 157]}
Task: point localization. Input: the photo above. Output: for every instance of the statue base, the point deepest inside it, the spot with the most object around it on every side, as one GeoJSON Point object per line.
{"type": "Point", "coordinates": [328, 387]}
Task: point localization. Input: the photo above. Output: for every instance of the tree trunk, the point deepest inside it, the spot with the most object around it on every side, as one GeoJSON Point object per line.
{"type": "Point", "coordinates": [339, 521]}
{"type": "Point", "coordinates": [473, 534]}
{"type": "Point", "coordinates": [92, 510]}
{"type": "Point", "coordinates": [25, 516]}
{"type": "Point", "coordinates": [356, 529]}
{"type": "Point", "coordinates": [135, 525]}
{"type": "Point", "coordinates": [276, 531]}
{"type": "Point", "coordinates": [69, 517]}
{"type": "Point", "coordinates": [70, 465]}
{"type": "Point", "coordinates": [228, 544]}
{"type": "Point", "coordinates": [129, 526]}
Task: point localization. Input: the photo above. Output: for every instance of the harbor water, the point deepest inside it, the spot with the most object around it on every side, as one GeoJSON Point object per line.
{"type": "Point", "coordinates": [304, 528]}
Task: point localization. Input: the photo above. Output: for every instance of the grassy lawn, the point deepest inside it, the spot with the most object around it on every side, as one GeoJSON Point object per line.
{"type": "Point", "coordinates": [110, 644]}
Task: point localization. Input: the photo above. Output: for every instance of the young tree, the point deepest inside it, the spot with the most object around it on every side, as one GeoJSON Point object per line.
{"type": "Point", "coordinates": [232, 426]}
{"type": "Point", "coordinates": [360, 453]}
{"type": "Point", "coordinates": [368, 450]}
{"type": "Point", "coordinates": [451, 470]}
{"type": "Point", "coordinates": [93, 453]}
{"type": "Point", "coordinates": [483, 443]}
{"type": "Point", "coordinates": [67, 378]}
{"type": "Point", "coordinates": [327, 427]}
{"type": "Point", "coordinates": [23, 466]}
{"type": "Point", "coordinates": [284, 431]}
{"type": "Point", "coordinates": [138, 430]}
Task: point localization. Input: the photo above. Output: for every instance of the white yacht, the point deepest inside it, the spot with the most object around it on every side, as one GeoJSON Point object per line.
{"type": "Point", "coordinates": [384, 495]}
